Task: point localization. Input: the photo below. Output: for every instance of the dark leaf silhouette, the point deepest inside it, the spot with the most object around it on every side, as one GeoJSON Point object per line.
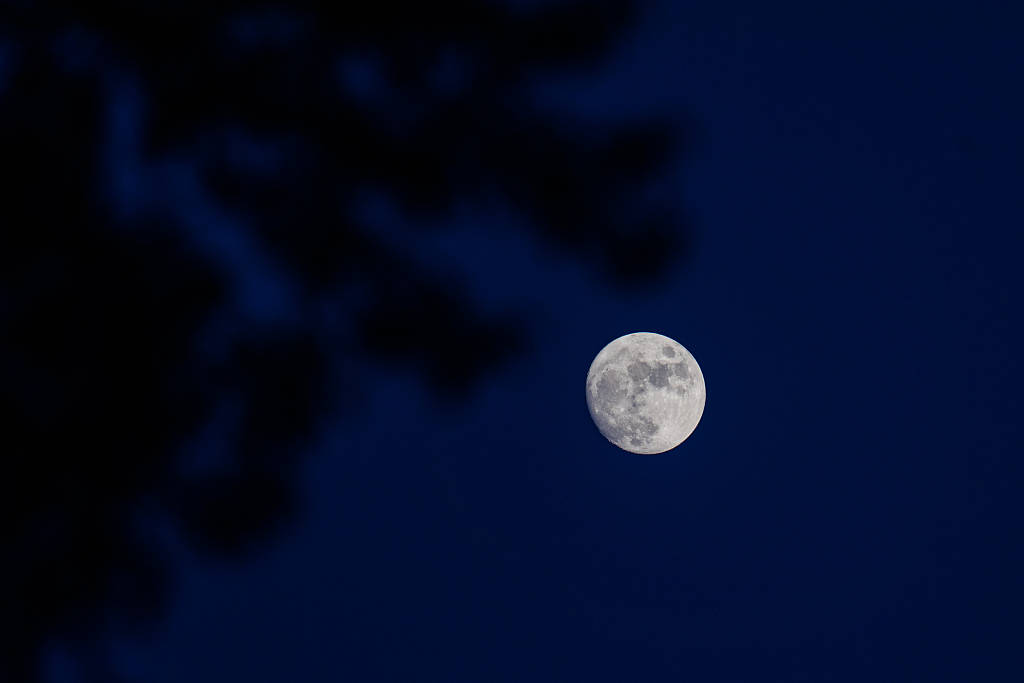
{"type": "Point", "coordinates": [123, 345]}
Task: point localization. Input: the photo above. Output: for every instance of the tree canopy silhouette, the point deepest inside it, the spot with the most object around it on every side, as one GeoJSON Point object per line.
{"type": "Point", "coordinates": [123, 343]}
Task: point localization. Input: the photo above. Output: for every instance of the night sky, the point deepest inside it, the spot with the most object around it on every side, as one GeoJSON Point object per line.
{"type": "Point", "coordinates": [837, 236]}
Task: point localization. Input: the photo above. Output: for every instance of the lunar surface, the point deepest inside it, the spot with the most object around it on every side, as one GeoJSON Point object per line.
{"type": "Point", "coordinates": [645, 392]}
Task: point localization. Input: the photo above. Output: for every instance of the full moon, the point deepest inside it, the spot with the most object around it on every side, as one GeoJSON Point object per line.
{"type": "Point", "coordinates": [645, 393]}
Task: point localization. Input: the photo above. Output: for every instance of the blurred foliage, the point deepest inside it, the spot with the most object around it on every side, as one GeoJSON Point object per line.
{"type": "Point", "coordinates": [121, 341]}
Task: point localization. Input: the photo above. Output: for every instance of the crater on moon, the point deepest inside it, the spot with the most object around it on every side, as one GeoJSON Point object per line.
{"type": "Point", "coordinates": [638, 400]}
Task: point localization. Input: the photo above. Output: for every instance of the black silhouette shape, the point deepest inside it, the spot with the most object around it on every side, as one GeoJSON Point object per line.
{"type": "Point", "coordinates": [106, 362]}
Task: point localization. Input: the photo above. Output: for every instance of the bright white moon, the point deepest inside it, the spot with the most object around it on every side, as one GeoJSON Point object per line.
{"type": "Point", "coordinates": [645, 392]}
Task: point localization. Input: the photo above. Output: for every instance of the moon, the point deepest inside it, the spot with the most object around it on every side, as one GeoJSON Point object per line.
{"type": "Point", "coordinates": [645, 392]}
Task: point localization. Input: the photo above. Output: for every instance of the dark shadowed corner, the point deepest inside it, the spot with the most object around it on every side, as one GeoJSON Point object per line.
{"type": "Point", "coordinates": [188, 290]}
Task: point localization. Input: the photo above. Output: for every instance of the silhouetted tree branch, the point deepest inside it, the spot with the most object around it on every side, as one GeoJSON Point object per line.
{"type": "Point", "coordinates": [121, 338]}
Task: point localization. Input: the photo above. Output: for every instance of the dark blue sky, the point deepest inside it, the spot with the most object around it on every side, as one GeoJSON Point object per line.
{"type": "Point", "coordinates": [848, 508]}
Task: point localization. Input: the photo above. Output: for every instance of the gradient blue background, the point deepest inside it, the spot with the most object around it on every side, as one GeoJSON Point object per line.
{"type": "Point", "coordinates": [848, 508]}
